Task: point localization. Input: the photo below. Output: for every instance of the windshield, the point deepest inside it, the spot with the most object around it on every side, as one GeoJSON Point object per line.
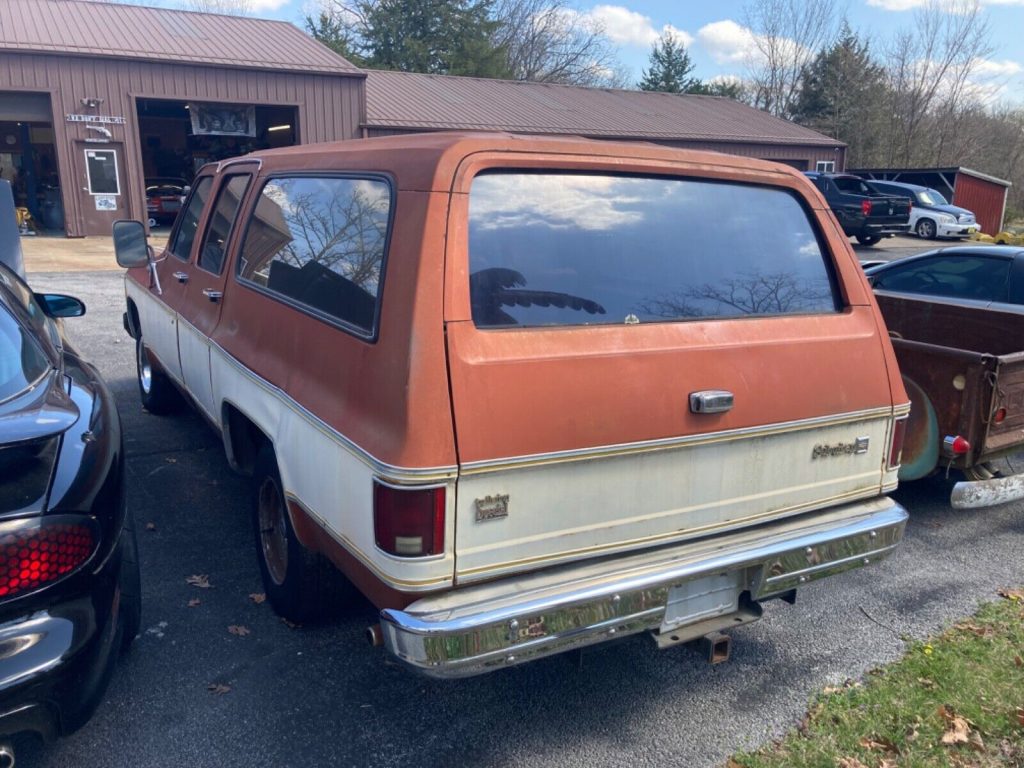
{"type": "Point", "coordinates": [930, 197]}
{"type": "Point", "coordinates": [22, 361]}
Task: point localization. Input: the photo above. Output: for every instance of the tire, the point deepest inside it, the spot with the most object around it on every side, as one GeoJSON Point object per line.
{"type": "Point", "coordinates": [868, 239]}
{"type": "Point", "coordinates": [130, 582]}
{"type": "Point", "coordinates": [926, 229]}
{"type": "Point", "coordinates": [301, 585]}
{"type": "Point", "coordinates": [156, 391]}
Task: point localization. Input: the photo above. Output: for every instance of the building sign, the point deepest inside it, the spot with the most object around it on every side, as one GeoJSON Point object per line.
{"type": "Point", "coordinates": [223, 119]}
{"type": "Point", "coordinates": [101, 119]}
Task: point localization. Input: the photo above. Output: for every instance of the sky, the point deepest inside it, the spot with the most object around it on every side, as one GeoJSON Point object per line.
{"type": "Point", "coordinates": [716, 37]}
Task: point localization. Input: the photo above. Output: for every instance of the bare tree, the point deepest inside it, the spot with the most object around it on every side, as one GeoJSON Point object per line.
{"type": "Point", "coordinates": [786, 37]}
{"type": "Point", "coordinates": [548, 42]}
{"type": "Point", "coordinates": [930, 70]}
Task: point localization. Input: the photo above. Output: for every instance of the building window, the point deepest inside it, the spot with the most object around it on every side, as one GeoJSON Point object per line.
{"type": "Point", "coordinates": [101, 168]}
{"type": "Point", "coordinates": [825, 166]}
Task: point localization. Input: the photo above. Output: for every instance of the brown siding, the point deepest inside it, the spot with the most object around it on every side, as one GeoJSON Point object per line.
{"type": "Point", "coordinates": [329, 107]}
{"type": "Point", "coordinates": [985, 199]}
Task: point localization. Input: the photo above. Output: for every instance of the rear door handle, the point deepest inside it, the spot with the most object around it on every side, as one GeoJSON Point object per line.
{"type": "Point", "coordinates": [181, 277]}
{"type": "Point", "coordinates": [213, 295]}
{"type": "Point", "coordinates": [711, 401]}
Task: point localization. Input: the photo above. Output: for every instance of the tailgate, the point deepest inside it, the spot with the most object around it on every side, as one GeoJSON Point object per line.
{"type": "Point", "coordinates": [599, 306]}
{"type": "Point", "coordinates": [1007, 433]}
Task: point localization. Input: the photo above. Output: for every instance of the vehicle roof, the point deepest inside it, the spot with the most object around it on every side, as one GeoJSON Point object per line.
{"type": "Point", "coordinates": [999, 251]}
{"type": "Point", "coordinates": [428, 161]}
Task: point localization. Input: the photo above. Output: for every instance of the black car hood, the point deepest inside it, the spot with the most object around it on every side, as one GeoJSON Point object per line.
{"type": "Point", "coordinates": [43, 411]}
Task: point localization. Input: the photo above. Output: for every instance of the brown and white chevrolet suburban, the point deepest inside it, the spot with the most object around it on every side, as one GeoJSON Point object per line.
{"type": "Point", "coordinates": [528, 394]}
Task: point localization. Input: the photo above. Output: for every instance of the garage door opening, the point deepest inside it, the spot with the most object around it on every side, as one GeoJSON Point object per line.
{"type": "Point", "coordinates": [28, 160]}
{"type": "Point", "coordinates": [180, 137]}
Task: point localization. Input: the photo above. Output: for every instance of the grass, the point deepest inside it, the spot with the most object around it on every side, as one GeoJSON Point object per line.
{"type": "Point", "coordinates": [954, 700]}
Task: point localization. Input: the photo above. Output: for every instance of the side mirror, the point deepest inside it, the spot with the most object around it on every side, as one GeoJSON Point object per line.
{"type": "Point", "coordinates": [130, 245]}
{"type": "Point", "coordinates": [59, 305]}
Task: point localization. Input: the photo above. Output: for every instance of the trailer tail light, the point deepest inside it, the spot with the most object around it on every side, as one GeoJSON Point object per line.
{"type": "Point", "coordinates": [408, 522]}
{"type": "Point", "coordinates": [40, 551]}
{"type": "Point", "coordinates": [953, 446]}
{"type": "Point", "coordinates": [899, 431]}
{"type": "Point", "coordinates": [865, 207]}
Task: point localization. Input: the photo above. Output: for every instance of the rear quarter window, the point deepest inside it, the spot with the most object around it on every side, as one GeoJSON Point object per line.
{"type": "Point", "coordinates": [551, 249]}
{"type": "Point", "coordinates": [319, 243]}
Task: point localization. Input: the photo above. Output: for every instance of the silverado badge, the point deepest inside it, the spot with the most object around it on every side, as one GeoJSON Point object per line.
{"type": "Point", "coordinates": [491, 507]}
{"type": "Point", "coordinates": [827, 450]}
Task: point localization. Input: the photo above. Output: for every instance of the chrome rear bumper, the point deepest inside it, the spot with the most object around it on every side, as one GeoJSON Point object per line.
{"type": "Point", "coordinates": [484, 627]}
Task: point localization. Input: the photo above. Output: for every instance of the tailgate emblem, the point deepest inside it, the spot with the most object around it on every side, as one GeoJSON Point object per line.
{"type": "Point", "coordinates": [827, 451]}
{"type": "Point", "coordinates": [491, 507]}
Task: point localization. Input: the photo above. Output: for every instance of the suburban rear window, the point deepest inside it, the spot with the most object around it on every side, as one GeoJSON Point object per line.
{"type": "Point", "coordinates": [552, 249]}
{"type": "Point", "coordinates": [319, 243]}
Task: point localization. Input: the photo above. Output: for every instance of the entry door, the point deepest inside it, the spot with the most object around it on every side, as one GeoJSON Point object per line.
{"type": "Point", "coordinates": [102, 190]}
{"type": "Point", "coordinates": [204, 285]}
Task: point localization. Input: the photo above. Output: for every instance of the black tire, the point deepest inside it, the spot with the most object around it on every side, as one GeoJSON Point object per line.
{"type": "Point", "coordinates": [868, 239]}
{"type": "Point", "coordinates": [301, 585]}
{"type": "Point", "coordinates": [156, 391]}
{"type": "Point", "coordinates": [926, 229]}
{"type": "Point", "coordinates": [130, 582]}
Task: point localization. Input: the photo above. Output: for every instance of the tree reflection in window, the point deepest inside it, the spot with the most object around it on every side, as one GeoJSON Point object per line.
{"type": "Point", "coordinates": [320, 242]}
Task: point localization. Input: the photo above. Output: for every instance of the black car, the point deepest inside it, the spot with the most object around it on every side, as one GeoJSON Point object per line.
{"type": "Point", "coordinates": [981, 276]}
{"type": "Point", "coordinates": [69, 574]}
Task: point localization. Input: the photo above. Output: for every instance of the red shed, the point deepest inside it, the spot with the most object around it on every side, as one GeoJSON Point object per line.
{"type": "Point", "coordinates": [978, 192]}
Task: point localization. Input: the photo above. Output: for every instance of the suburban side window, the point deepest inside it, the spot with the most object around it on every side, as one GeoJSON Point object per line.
{"type": "Point", "coordinates": [319, 243]}
{"type": "Point", "coordinates": [559, 249]}
{"type": "Point", "coordinates": [188, 223]}
{"type": "Point", "coordinates": [965, 277]}
{"type": "Point", "coordinates": [222, 221]}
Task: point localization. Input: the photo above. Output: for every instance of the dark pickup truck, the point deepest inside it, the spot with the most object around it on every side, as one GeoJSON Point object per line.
{"type": "Point", "coordinates": [963, 367]}
{"type": "Point", "coordinates": [863, 211]}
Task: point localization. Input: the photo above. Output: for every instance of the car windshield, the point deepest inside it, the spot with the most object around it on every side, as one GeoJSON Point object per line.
{"type": "Point", "coordinates": [930, 197]}
{"type": "Point", "coordinates": [22, 360]}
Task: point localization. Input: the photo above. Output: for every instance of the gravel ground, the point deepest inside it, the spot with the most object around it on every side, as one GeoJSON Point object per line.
{"type": "Point", "coordinates": [321, 696]}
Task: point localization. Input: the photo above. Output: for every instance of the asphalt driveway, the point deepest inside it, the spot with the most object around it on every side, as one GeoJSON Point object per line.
{"type": "Point", "coordinates": [307, 696]}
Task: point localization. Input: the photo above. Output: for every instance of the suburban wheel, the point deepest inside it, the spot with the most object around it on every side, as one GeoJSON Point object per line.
{"type": "Point", "coordinates": [301, 585]}
{"type": "Point", "coordinates": [155, 390]}
{"type": "Point", "coordinates": [130, 583]}
{"type": "Point", "coordinates": [926, 229]}
{"type": "Point", "coordinates": [868, 239]}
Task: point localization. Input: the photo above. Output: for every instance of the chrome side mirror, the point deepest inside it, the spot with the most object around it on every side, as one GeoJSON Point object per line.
{"type": "Point", "coordinates": [130, 245]}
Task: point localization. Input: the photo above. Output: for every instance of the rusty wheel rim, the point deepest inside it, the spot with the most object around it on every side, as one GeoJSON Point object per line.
{"type": "Point", "coordinates": [273, 531]}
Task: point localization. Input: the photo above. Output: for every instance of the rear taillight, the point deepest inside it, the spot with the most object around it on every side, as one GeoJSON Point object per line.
{"type": "Point", "coordinates": [39, 551]}
{"type": "Point", "coordinates": [408, 522]}
{"type": "Point", "coordinates": [865, 207]}
{"type": "Point", "coordinates": [899, 431]}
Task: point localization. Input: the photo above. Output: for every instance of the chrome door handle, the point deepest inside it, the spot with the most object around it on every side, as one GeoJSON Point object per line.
{"type": "Point", "coordinates": [181, 277]}
{"type": "Point", "coordinates": [213, 295]}
{"type": "Point", "coordinates": [711, 401]}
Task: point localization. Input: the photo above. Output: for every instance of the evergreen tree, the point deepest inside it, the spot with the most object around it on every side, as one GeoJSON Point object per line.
{"type": "Point", "coordinates": [670, 68]}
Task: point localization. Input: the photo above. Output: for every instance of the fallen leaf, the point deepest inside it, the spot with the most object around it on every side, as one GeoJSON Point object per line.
{"type": "Point", "coordinates": [257, 597]}
{"type": "Point", "coordinates": [850, 762]}
{"type": "Point", "coordinates": [879, 744]}
{"type": "Point", "coordinates": [200, 580]}
{"type": "Point", "coordinates": [194, 602]}
{"type": "Point", "coordinates": [239, 629]}
{"type": "Point", "coordinates": [150, 526]}
{"type": "Point", "coordinates": [218, 688]}
{"type": "Point", "coordinates": [1012, 594]}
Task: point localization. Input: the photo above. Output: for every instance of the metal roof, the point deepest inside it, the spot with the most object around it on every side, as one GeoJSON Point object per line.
{"type": "Point", "coordinates": [441, 102]}
{"type": "Point", "coordinates": [88, 28]}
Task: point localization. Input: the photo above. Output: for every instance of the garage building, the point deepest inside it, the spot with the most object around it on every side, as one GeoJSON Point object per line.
{"type": "Point", "coordinates": [95, 98]}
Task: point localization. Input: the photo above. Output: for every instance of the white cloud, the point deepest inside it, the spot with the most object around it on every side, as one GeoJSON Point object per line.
{"type": "Point", "coordinates": [627, 27]}
{"type": "Point", "coordinates": [727, 41]}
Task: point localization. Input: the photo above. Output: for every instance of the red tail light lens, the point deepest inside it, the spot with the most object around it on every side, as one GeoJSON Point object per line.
{"type": "Point", "coordinates": [865, 207]}
{"type": "Point", "coordinates": [899, 431]}
{"type": "Point", "coordinates": [40, 551]}
{"type": "Point", "coordinates": [408, 522]}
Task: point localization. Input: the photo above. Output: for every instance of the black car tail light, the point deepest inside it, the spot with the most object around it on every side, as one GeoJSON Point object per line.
{"type": "Point", "coordinates": [25, 470]}
{"type": "Point", "coordinates": [37, 552]}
